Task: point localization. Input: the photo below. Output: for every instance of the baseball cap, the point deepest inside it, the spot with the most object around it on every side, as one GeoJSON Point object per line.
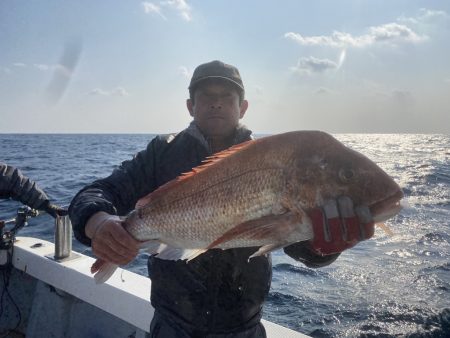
{"type": "Point", "coordinates": [216, 69]}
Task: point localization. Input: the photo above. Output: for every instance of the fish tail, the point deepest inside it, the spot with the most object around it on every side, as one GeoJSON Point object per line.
{"type": "Point", "coordinates": [102, 270]}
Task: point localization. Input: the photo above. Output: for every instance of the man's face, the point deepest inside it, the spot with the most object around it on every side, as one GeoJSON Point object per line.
{"type": "Point", "coordinates": [216, 109]}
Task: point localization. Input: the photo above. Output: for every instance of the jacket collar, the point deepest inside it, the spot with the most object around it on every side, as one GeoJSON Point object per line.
{"type": "Point", "coordinates": [242, 134]}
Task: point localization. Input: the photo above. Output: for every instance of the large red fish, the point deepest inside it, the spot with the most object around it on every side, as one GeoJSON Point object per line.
{"type": "Point", "coordinates": [256, 194]}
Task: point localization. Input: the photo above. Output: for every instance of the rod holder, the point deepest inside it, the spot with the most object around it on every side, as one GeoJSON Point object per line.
{"type": "Point", "coordinates": [63, 237]}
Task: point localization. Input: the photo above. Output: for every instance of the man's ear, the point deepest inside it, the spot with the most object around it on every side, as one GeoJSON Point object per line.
{"type": "Point", "coordinates": [190, 107]}
{"type": "Point", "coordinates": [243, 108]}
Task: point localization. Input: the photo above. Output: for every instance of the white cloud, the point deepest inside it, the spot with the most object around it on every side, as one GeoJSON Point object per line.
{"type": "Point", "coordinates": [119, 91]}
{"type": "Point", "coordinates": [426, 16]}
{"type": "Point", "coordinates": [313, 65]}
{"type": "Point", "coordinates": [42, 67]}
{"type": "Point", "coordinates": [152, 8]}
{"type": "Point", "coordinates": [336, 40]}
{"type": "Point", "coordinates": [185, 72]}
{"type": "Point", "coordinates": [394, 32]}
{"type": "Point", "coordinates": [98, 91]}
{"type": "Point", "coordinates": [5, 70]}
{"type": "Point", "coordinates": [388, 33]}
{"type": "Point", "coordinates": [181, 6]}
{"type": "Point", "coordinates": [39, 66]}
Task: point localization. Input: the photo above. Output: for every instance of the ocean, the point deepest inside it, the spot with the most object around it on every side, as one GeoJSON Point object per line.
{"type": "Point", "coordinates": [389, 286]}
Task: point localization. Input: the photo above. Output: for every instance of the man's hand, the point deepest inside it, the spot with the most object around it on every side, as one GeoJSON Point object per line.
{"type": "Point", "coordinates": [339, 226]}
{"type": "Point", "coordinates": [110, 241]}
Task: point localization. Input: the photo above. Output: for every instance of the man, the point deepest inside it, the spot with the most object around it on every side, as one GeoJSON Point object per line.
{"type": "Point", "coordinates": [220, 293]}
{"type": "Point", "coordinates": [13, 184]}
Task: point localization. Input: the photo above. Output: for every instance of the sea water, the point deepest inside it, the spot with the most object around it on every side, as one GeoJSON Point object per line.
{"type": "Point", "coordinates": [391, 285]}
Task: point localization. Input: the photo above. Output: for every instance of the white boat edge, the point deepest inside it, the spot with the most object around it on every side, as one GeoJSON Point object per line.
{"type": "Point", "coordinates": [126, 295]}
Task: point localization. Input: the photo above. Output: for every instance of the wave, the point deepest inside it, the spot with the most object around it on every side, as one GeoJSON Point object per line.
{"type": "Point", "coordinates": [434, 238]}
{"type": "Point", "coordinates": [404, 321]}
{"type": "Point", "coordinates": [350, 298]}
{"type": "Point", "coordinates": [285, 267]}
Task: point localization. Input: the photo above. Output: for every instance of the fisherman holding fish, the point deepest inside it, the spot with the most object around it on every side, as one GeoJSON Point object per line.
{"type": "Point", "coordinates": [218, 292]}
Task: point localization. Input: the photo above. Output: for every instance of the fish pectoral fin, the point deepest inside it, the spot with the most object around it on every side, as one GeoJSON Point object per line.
{"type": "Point", "coordinates": [153, 247]}
{"type": "Point", "coordinates": [175, 254]}
{"type": "Point", "coordinates": [269, 248]}
{"type": "Point", "coordinates": [275, 227]}
{"type": "Point", "coordinates": [167, 252]}
{"type": "Point", "coordinates": [192, 253]}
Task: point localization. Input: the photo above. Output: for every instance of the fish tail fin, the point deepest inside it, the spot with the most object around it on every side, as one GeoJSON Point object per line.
{"type": "Point", "coordinates": [102, 270]}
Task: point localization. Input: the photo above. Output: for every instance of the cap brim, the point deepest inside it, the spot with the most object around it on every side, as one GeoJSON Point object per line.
{"type": "Point", "coordinates": [193, 84]}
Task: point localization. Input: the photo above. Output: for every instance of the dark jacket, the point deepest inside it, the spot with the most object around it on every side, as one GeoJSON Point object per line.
{"type": "Point", "coordinates": [13, 184]}
{"type": "Point", "coordinates": [219, 291]}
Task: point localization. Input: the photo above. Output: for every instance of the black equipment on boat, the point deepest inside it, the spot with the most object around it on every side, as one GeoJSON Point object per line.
{"type": "Point", "coordinates": [7, 238]}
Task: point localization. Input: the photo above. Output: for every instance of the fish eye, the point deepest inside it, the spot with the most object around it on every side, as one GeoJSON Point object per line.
{"type": "Point", "coordinates": [346, 175]}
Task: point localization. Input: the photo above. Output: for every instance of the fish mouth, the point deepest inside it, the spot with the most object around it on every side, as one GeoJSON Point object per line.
{"type": "Point", "coordinates": [385, 209]}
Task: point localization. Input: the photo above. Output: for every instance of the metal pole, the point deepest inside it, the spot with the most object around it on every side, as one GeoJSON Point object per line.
{"type": "Point", "coordinates": [63, 237]}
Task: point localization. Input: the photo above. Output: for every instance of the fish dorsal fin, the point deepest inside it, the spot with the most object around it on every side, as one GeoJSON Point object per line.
{"type": "Point", "coordinates": [209, 161]}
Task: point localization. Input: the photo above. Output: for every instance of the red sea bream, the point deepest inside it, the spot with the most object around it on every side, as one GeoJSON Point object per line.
{"type": "Point", "coordinates": [256, 194]}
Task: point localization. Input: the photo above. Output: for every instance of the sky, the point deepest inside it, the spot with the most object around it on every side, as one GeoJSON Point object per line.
{"type": "Point", "coordinates": [350, 66]}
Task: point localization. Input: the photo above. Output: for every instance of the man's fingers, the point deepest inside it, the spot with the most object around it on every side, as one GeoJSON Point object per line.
{"type": "Point", "coordinates": [351, 231]}
{"type": "Point", "coordinates": [97, 265]}
{"type": "Point", "coordinates": [338, 226]}
{"type": "Point", "coordinates": [366, 221]}
{"type": "Point", "coordinates": [106, 253]}
{"type": "Point", "coordinates": [333, 222]}
{"type": "Point", "coordinates": [345, 205]}
{"type": "Point", "coordinates": [364, 214]}
{"type": "Point", "coordinates": [124, 239]}
{"type": "Point", "coordinates": [121, 249]}
{"type": "Point", "coordinates": [113, 243]}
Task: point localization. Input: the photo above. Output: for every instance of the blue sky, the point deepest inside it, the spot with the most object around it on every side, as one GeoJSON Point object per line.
{"type": "Point", "coordinates": [124, 66]}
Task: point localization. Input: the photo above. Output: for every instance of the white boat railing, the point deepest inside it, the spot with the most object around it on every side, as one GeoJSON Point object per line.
{"type": "Point", "coordinates": [126, 295]}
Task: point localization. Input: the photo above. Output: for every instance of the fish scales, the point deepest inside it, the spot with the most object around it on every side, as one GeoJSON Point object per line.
{"type": "Point", "coordinates": [245, 185]}
{"type": "Point", "coordinates": [208, 211]}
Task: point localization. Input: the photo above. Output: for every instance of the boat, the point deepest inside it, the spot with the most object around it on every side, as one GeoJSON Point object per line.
{"type": "Point", "coordinates": [47, 290]}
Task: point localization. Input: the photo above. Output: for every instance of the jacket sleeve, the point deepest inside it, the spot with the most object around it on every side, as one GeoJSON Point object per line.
{"type": "Point", "coordinates": [116, 194]}
{"type": "Point", "coordinates": [302, 253]}
{"type": "Point", "coordinates": [13, 184]}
